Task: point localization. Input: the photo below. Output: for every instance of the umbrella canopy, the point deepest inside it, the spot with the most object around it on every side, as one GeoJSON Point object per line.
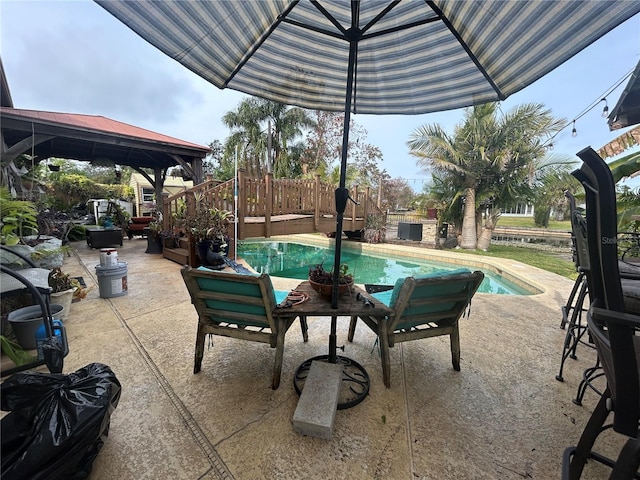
{"type": "Point", "coordinates": [373, 56]}
{"type": "Point", "coordinates": [412, 57]}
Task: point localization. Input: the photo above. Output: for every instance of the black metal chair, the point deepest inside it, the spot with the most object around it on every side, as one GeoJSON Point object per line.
{"type": "Point", "coordinates": [612, 329]}
{"type": "Point", "coordinates": [15, 261]}
{"type": "Point", "coordinates": [54, 348]}
{"type": "Point", "coordinates": [573, 310]}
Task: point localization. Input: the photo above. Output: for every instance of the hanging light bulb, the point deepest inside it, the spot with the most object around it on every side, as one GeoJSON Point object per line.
{"type": "Point", "coordinates": [574, 132]}
{"type": "Point", "coordinates": [605, 110]}
{"type": "Point", "coordinates": [550, 146]}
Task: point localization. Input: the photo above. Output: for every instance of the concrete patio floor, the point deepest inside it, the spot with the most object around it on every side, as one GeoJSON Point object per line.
{"type": "Point", "coordinates": [503, 416]}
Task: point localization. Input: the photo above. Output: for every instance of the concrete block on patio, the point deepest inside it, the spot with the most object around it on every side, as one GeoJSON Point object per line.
{"type": "Point", "coordinates": [316, 410]}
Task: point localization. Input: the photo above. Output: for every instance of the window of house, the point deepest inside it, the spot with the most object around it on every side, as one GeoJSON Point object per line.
{"type": "Point", "coordinates": [148, 194]}
{"type": "Point", "coordinates": [519, 209]}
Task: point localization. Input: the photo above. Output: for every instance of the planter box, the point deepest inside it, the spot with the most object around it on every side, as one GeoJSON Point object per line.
{"type": "Point", "coordinates": [98, 237]}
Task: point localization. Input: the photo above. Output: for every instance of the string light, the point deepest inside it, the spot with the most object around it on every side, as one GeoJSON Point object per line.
{"type": "Point", "coordinates": [595, 103]}
{"type": "Point", "coordinates": [605, 110]}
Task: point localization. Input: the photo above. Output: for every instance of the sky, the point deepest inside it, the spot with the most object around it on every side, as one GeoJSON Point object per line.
{"type": "Point", "coordinates": [73, 56]}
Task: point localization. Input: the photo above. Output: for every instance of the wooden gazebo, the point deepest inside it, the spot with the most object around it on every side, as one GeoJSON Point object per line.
{"type": "Point", "coordinates": [90, 138]}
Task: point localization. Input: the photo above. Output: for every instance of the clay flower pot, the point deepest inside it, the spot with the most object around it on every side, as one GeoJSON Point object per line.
{"type": "Point", "coordinates": [325, 290]}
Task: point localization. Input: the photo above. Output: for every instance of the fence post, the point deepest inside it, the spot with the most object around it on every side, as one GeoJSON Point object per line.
{"type": "Point", "coordinates": [166, 212]}
{"type": "Point", "coordinates": [268, 191]}
{"type": "Point", "coordinates": [365, 214]}
{"type": "Point", "coordinates": [316, 204]}
{"type": "Point", "coordinates": [242, 202]}
{"type": "Point", "coordinates": [191, 207]}
{"type": "Point", "coordinates": [354, 208]}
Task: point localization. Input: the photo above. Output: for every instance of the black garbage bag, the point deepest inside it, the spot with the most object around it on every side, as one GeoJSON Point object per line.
{"type": "Point", "coordinates": [53, 352]}
{"type": "Point", "coordinates": [57, 423]}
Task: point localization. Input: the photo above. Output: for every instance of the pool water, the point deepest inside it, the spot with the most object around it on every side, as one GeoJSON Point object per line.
{"type": "Point", "coordinates": [293, 260]}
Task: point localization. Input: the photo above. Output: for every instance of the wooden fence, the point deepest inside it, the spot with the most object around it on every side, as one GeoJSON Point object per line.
{"type": "Point", "coordinates": [267, 207]}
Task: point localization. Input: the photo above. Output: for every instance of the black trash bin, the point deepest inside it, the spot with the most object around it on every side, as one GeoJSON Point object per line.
{"type": "Point", "coordinates": [410, 231]}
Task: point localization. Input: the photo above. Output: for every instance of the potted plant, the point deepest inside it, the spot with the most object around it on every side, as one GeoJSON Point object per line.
{"type": "Point", "coordinates": [154, 240]}
{"type": "Point", "coordinates": [62, 289]}
{"type": "Point", "coordinates": [170, 239]}
{"type": "Point", "coordinates": [376, 229]}
{"type": "Point", "coordinates": [178, 226]}
{"type": "Point", "coordinates": [18, 217]}
{"type": "Point", "coordinates": [49, 257]}
{"type": "Point", "coordinates": [218, 229]}
{"type": "Point", "coordinates": [322, 281]}
{"type": "Point", "coordinates": [209, 229]}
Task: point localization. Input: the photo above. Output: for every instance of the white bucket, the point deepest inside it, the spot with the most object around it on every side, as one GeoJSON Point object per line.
{"type": "Point", "coordinates": [108, 257]}
{"type": "Point", "coordinates": [112, 281]}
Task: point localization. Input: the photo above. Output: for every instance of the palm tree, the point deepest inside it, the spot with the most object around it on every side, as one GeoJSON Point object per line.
{"type": "Point", "coordinates": [246, 136]}
{"type": "Point", "coordinates": [552, 180]}
{"type": "Point", "coordinates": [286, 123]}
{"type": "Point", "coordinates": [466, 155]}
{"type": "Point", "coordinates": [522, 158]}
{"type": "Point", "coordinates": [261, 127]}
{"type": "Point", "coordinates": [491, 156]}
{"type": "Point", "coordinates": [444, 193]}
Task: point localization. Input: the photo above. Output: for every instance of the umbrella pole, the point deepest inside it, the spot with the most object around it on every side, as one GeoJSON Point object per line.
{"type": "Point", "coordinates": [341, 196]}
{"type": "Point", "coordinates": [342, 193]}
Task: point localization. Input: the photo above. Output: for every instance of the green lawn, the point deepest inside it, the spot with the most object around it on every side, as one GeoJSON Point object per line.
{"type": "Point", "coordinates": [545, 260]}
{"type": "Point", "coordinates": [527, 222]}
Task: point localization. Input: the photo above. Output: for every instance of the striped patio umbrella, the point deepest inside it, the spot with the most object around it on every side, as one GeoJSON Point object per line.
{"type": "Point", "coordinates": [372, 56]}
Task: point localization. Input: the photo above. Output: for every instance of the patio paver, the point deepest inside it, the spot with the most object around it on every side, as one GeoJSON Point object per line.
{"type": "Point", "coordinates": [502, 416]}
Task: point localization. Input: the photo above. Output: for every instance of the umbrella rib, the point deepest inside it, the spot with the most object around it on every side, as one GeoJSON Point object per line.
{"type": "Point", "coordinates": [314, 29]}
{"type": "Point", "coordinates": [406, 26]}
{"type": "Point", "coordinates": [377, 18]}
{"type": "Point", "coordinates": [329, 17]}
{"type": "Point", "coordinates": [466, 48]}
{"type": "Point", "coordinates": [259, 43]}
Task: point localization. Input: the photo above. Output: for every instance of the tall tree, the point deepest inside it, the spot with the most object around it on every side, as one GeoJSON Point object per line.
{"type": "Point", "coordinates": [263, 130]}
{"type": "Point", "coordinates": [215, 163]}
{"type": "Point", "coordinates": [552, 179]}
{"type": "Point", "coordinates": [467, 154]}
{"type": "Point", "coordinates": [323, 152]}
{"type": "Point", "coordinates": [489, 153]}
{"type": "Point", "coordinates": [399, 193]}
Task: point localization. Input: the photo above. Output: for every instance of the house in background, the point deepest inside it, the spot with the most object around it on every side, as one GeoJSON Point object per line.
{"type": "Point", "coordinates": [144, 194]}
{"type": "Point", "coordinates": [520, 209]}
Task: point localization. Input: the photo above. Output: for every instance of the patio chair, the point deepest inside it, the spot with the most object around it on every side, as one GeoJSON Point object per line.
{"type": "Point", "coordinates": [54, 348]}
{"type": "Point", "coordinates": [573, 310]}
{"type": "Point", "coordinates": [239, 306]}
{"type": "Point", "coordinates": [17, 262]}
{"type": "Point", "coordinates": [613, 330]}
{"type": "Point", "coordinates": [424, 306]}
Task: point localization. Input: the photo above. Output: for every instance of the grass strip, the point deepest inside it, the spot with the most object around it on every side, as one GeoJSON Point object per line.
{"type": "Point", "coordinates": [550, 261]}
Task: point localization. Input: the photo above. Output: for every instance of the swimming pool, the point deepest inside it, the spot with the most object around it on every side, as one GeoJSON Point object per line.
{"type": "Point", "coordinates": [292, 260]}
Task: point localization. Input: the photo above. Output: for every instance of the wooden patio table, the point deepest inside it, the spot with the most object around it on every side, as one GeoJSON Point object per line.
{"type": "Point", "coordinates": [355, 380]}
